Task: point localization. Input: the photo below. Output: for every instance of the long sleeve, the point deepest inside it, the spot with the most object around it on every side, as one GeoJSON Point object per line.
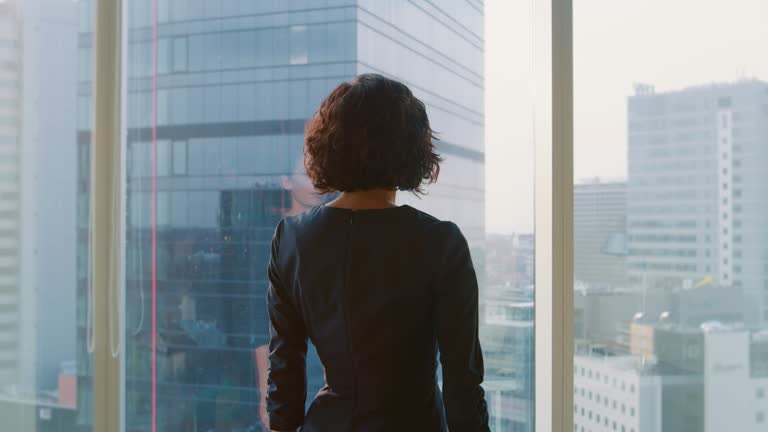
{"type": "Point", "coordinates": [287, 379]}
{"type": "Point", "coordinates": [456, 316]}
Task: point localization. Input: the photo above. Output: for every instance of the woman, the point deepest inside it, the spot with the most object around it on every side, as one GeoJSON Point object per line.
{"type": "Point", "coordinates": [378, 288]}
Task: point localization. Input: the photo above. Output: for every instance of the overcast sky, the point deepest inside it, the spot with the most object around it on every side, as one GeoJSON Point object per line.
{"type": "Point", "coordinates": [670, 44]}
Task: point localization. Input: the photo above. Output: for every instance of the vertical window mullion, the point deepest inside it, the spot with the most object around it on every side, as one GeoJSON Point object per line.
{"type": "Point", "coordinates": [106, 183]}
{"type": "Point", "coordinates": [553, 128]}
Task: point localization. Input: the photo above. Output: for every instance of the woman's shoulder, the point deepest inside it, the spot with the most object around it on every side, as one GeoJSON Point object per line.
{"type": "Point", "coordinates": [431, 220]}
{"type": "Point", "coordinates": [443, 230]}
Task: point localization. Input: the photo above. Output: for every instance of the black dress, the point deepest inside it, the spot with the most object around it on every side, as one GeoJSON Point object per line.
{"type": "Point", "coordinates": [378, 292]}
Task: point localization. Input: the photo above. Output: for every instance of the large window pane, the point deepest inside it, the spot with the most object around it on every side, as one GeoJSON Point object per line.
{"type": "Point", "coordinates": [45, 75]}
{"type": "Point", "coordinates": [219, 163]}
{"type": "Point", "coordinates": [670, 208]}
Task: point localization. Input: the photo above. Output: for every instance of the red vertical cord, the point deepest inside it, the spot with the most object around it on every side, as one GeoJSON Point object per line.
{"type": "Point", "coordinates": [154, 215]}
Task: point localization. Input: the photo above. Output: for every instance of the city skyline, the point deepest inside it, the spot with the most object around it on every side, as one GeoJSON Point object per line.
{"type": "Point", "coordinates": [720, 45]}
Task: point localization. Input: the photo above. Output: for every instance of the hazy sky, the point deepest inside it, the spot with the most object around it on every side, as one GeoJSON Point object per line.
{"type": "Point", "coordinates": [670, 44]}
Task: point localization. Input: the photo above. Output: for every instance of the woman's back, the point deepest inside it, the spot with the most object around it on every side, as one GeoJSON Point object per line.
{"type": "Point", "coordinates": [377, 292]}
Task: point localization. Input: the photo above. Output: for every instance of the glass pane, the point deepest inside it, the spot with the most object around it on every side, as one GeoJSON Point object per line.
{"type": "Point", "coordinates": [214, 140]}
{"type": "Point", "coordinates": [670, 207]}
{"type": "Point", "coordinates": [507, 332]}
{"type": "Point", "coordinates": [45, 363]}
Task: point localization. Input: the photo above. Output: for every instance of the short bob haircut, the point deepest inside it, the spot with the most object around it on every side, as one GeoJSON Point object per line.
{"type": "Point", "coordinates": [370, 133]}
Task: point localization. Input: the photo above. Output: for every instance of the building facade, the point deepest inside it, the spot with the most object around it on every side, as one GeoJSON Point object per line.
{"type": "Point", "coordinates": [235, 84]}
{"type": "Point", "coordinates": [507, 331]}
{"type": "Point", "coordinates": [620, 393]}
{"type": "Point", "coordinates": [600, 228]}
{"type": "Point", "coordinates": [695, 196]}
{"type": "Point", "coordinates": [10, 156]}
{"type": "Point", "coordinates": [48, 172]}
{"type": "Point", "coordinates": [507, 338]}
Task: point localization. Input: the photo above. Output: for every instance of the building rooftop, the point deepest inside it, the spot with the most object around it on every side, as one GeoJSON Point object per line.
{"type": "Point", "coordinates": [591, 181]}
{"type": "Point", "coordinates": [643, 89]}
{"type": "Point", "coordinates": [642, 365]}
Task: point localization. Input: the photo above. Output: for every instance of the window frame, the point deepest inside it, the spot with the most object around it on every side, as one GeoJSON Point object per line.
{"type": "Point", "coordinates": [553, 132]}
{"type": "Point", "coordinates": [107, 167]}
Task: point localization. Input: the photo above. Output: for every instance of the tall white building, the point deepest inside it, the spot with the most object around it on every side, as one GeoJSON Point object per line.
{"type": "Point", "coordinates": [48, 169]}
{"type": "Point", "coordinates": [38, 90]}
{"type": "Point", "coordinates": [697, 188]}
{"type": "Point", "coordinates": [10, 131]}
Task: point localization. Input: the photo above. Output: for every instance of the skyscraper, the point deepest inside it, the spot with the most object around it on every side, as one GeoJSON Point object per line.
{"type": "Point", "coordinates": [48, 184]}
{"type": "Point", "coordinates": [696, 191]}
{"type": "Point", "coordinates": [235, 84]}
{"type": "Point", "coordinates": [37, 212]}
{"type": "Point", "coordinates": [10, 251]}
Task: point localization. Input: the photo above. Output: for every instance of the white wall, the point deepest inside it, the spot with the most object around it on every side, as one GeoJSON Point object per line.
{"type": "Point", "coordinates": [727, 395]}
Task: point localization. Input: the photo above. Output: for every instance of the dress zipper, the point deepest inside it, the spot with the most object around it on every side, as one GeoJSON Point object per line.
{"type": "Point", "coordinates": [347, 306]}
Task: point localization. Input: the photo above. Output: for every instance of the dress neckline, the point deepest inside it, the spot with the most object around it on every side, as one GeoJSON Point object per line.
{"type": "Point", "coordinates": [373, 210]}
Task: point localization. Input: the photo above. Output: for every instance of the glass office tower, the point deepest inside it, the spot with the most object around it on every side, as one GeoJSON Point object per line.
{"type": "Point", "coordinates": [218, 94]}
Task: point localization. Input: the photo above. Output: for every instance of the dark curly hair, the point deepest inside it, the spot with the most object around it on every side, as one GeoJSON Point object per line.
{"type": "Point", "coordinates": [370, 133]}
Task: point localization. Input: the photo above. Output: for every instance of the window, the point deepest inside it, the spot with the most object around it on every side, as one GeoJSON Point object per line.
{"type": "Point", "coordinates": [214, 107]}
{"type": "Point", "coordinates": [179, 157]}
{"type": "Point", "coordinates": [298, 45]}
{"type": "Point", "coordinates": [180, 54]}
{"type": "Point", "coordinates": [236, 83]}
{"type": "Point", "coordinates": [704, 170]}
{"type": "Point", "coordinates": [46, 309]}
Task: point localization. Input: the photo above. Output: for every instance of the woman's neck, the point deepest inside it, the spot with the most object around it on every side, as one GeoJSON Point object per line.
{"type": "Point", "coordinates": [365, 200]}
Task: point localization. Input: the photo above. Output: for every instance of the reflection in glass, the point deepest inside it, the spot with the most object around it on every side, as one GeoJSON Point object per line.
{"type": "Point", "coordinates": [221, 162]}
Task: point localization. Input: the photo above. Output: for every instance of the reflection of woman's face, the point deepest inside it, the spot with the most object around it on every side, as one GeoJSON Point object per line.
{"type": "Point", "coordinates": [302, 190]}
